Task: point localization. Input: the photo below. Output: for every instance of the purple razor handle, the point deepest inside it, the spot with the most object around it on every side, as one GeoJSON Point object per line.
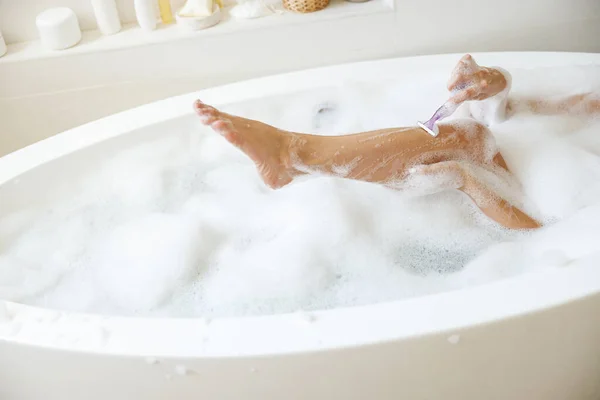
{"type": "Point", "coordinates": [446, 110]}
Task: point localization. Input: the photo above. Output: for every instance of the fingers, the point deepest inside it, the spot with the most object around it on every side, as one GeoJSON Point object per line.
{"type": "Point", "coordinates": [477, 89]}
{"type": "Point", "coordinates": [456, 81]}
{"type": "Point", "coordinates": [466, 58]}
{"type": "Point", "coordinates": [469, 64]}
{"type": "Point", "coordinates": [458, 78]}
{"type": "Point", "coordinates": [460, 97]}
{"type": "Point", "coordinates": [463, 72]}
{"type": "Point", "coordinates": [464, 95]}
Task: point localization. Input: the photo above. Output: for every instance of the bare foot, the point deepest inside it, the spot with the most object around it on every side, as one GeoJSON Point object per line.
{"type": "Point", "coordinates": [265, 145]}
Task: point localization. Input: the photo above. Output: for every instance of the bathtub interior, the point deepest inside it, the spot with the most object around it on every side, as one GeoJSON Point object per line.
{"type": "Point", "coordinates": [330, 110]}
{"type": "Point", "coordinates": [198, 162]}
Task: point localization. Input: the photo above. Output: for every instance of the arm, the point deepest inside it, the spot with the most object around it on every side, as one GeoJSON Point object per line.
{"type": "Point", "coordinates": [486, 90]}
{"type": "Point", "coordinates": [586, 104]}
{"type": "Point", "coordinates": [469, 82]}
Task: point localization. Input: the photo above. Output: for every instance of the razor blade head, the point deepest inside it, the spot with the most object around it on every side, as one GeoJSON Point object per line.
{"type": "Point", "coordinates": [433, 132]}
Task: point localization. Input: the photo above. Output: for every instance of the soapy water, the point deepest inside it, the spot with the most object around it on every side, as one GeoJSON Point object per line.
{"type": "Point", "coordinates": [181, 224]}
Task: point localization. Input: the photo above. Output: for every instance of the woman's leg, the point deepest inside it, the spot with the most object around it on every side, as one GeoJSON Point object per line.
{"type": "Point", "coordinates": [381, 156]}
{"type": "Point", "coordinates": [488, 201]}
{"type": "Point", "coordinates": [385, 156]}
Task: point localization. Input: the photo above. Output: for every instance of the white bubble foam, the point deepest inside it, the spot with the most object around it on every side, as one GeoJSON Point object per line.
{"type": "Point", "coordinates": [140, 264]}
{"type": "Point", "coordinates": [181, 225]}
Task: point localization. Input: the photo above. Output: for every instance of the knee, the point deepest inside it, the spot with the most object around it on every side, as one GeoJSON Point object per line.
{"type": "Point", "coordinates": [475, 129]}
{"type": "Point", "coordinates": [477, 137]}
{"type": "Point", "coordinates": [483, 138]}
{"type": "Point", "coordinates": [470, 129]}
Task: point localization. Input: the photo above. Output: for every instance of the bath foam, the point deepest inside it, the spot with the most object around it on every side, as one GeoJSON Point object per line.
{"type": "Point", "coordinates": [151, 257]}
{"type": "Point", "coordinates": [182, 226]}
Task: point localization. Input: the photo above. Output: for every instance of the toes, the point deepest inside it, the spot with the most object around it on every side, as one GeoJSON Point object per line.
{"type": "Point", "coordinates": [213, 117]}
{"type": "Point", "coordinates": [199, 106]}
{"type": "Point", "coordinates": [202, 108]}
{"type": "Point", "coordinates": [225, 128]}
{"type": "Point", "coordinates": [208, 118]}
{"type": "Point", "coordinates": [222, 126]}
{"type": "Point", "coordinates": [207, 114]}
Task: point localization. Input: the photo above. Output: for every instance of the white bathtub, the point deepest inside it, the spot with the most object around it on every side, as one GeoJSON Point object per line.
{"type": "Point", "coordinates": [532, 337]}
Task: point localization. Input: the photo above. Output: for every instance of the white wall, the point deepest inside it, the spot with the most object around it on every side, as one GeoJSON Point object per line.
{"type": "Point", "coordinates": [45, 96]}
{"type": "Point", "coordinates": [443, 18]}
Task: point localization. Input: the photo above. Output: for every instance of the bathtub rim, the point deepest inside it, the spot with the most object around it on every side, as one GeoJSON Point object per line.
{"type": "Point", "coordinates": [448, 312]}
{"type": "Point", "coordinates": [79, 137]}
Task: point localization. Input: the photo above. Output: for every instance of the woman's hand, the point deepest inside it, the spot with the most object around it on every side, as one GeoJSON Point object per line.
{"type": "Point", "coordinates": [469, 81]}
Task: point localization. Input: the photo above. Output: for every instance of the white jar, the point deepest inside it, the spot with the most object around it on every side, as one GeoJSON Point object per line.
{"type": "Point", "coordinates": [107, 16]}
{"type": "Point", "coordinates": [145, 12]}
{"type": "Point", "coordinates": [58, 28]}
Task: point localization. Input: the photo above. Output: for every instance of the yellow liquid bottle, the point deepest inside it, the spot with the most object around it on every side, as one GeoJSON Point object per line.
{"type": "Point", "coordinates": [166, 15]}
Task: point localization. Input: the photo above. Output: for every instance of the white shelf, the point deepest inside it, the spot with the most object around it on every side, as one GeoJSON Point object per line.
{"type": "Point", "coordinates": [131, 35]}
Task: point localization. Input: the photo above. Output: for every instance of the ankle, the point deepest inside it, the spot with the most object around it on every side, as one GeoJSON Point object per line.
{"type": "Point", "coordinates": [289, 153]}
